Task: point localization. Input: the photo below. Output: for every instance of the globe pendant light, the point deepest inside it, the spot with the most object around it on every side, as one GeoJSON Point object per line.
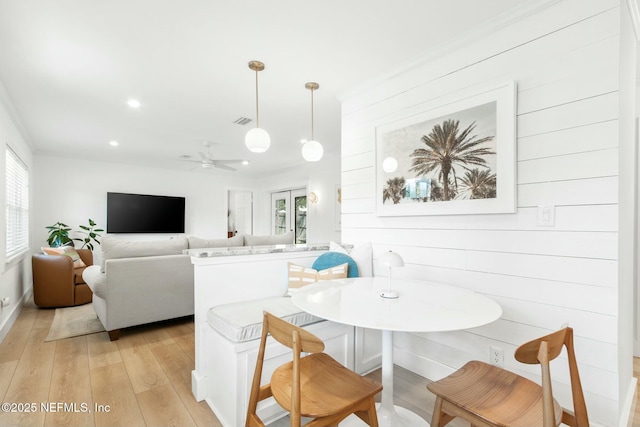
{"type": "Point", "coordinates": [257, 139]}
{"type": "Point", "coordinates": [312, 150]}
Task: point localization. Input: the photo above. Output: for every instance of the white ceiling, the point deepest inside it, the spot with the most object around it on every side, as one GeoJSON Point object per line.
{"type": "Point", "coordinates": [69, 66]}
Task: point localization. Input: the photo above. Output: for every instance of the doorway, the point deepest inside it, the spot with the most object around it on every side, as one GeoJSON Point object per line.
{"type": "Point", "coordinates": [289, 213]}
{"type": "Point", "coordinates": [240, 213]}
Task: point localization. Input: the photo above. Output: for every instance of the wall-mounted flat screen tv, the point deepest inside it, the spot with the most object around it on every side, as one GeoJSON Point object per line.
{"type": "Point", "coordinates": [142, 213]}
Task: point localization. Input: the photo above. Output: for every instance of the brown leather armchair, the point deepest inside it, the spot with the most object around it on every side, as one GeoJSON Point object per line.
{"type": "Point", "coordinates": [56, 283]}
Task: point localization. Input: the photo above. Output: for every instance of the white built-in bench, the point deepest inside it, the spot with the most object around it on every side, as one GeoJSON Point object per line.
{"type": "Point", "coordinates": [232, 289]}
{"type": "Point", "coordinates": [235, 331]}
{"type": "Point", "coordinates": [242, 321]}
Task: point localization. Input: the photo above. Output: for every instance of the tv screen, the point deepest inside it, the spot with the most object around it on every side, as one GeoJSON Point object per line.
{"type": "Point", "coordinates": [140, 213]}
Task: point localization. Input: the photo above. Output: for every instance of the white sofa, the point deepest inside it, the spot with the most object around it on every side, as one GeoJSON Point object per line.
{"type": "Point", "coordinates": [141, 282]}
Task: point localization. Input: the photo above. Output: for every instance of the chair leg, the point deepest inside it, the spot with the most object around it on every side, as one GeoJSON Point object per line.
{"type": "Point", "coordinates": [114, 335]}
{"type": "Point", "coordinates": [439, 418]}
{"type": "Point", "coordinates": [373, 414]}
{"type": "Point", "coordinates": [369, 415]}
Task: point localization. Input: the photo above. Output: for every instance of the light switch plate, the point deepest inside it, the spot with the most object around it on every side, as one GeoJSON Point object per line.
{"type": "Point", "coordinates": [546, 215]}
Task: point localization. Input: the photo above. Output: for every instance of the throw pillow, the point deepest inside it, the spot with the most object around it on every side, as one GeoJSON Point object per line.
{"type": "Point", "coordinates": [301, 276]}
{"type": "Point", "coordinates": [331, 259]}
{"type": "Point", "coordinates": [68, 251]}
{"type": "Point", "coordinates": [361, 253]}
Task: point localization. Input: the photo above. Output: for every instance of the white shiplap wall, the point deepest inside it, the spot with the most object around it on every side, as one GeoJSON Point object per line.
{"type": "Point", "coordinates": [564, 59]}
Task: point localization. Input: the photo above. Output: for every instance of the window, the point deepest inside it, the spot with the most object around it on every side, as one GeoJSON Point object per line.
{"type": "Point", "coordinates": [17, 205]}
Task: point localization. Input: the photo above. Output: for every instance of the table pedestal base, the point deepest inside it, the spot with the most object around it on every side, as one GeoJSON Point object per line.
{"type": "Point", "coordinates": [399, 416]}
{"type": "Point", "coordinates": [389, 415]}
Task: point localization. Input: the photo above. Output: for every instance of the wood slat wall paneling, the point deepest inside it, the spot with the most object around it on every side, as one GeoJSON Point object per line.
{"type": "Point", "coordinates": [564, 60]}
{"type": "Point", "coordinates": [593, 137]}
{"type": "Point", "coordinates": [567, 218]}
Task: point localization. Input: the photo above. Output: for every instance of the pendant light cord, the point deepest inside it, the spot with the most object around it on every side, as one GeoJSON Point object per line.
{"type": "Point", "coordinates": [257, 114]}
{"type": "Point", "coordinates": [312, 138]}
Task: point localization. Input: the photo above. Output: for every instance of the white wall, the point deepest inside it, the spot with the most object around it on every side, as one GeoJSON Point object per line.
{"type": "Point", "coordinates": [564, 59]}
{"type": "Point", "coordinates": [628, 174]}
{"type": "Point", "coordinates": [74, 197]}
{"type": "Point", "coordinates": [15, 277]}
{"type": "Point", "coordinates": [320, 177]}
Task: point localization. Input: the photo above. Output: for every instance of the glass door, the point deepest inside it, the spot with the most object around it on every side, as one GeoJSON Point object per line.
{"type": "Point", "coordinates": [289, 212]}
{"type": "Point", "coordinates": [281, 211]}
{"type": "Point", "coordinates": [300, 217]}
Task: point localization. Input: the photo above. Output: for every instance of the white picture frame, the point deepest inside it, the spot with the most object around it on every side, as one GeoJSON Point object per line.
{"type": "Point", "coordinates": [484, 127]}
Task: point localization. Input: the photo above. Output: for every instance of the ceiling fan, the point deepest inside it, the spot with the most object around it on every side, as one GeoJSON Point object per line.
{"type": "Point", "coordinates": [207, 162]}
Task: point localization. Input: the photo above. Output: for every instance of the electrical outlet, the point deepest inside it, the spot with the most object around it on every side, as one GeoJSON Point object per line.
{"type": "Point", "coordinates": [496, 356]}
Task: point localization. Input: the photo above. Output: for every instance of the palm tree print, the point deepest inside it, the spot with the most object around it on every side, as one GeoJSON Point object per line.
{"type": "Point", "coordinates": [437, 192]}
{"type": "Point", "coordinates": [479, 184]}
{"type": "Point", "coordinates": [394, 190]}
{"type": "Point", "coordinates": [448, 147]}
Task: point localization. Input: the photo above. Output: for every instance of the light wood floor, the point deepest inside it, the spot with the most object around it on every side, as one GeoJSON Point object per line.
{"type": "Point", "coordinates": [144, 379]}
{"type": "Point", "coordinates": [634, 420]}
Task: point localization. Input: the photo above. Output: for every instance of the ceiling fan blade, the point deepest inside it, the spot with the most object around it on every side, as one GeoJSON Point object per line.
{"type": "Point", "coordinates": [226, 162]}
{"type": "Point", "coordinates": [191, 161]}
{"type": "Point", "coordinates": [228, 168]}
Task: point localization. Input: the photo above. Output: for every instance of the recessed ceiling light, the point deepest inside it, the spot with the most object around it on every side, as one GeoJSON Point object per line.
{"type": "Point", "coordinates": [133, 103]}
{"type": "Point", "coordinates": [113, 143]}
{"type": "Point", "coordinates": [245, 162]}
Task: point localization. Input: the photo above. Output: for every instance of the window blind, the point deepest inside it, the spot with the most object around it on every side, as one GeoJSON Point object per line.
{"type": "Point", "coordinates": [17, 205]}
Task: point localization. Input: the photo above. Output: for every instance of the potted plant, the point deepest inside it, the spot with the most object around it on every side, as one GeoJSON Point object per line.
{"type": "Point", "coordinates": [59, 235]}
{"type": "Point", "coordinates": [91, 233]}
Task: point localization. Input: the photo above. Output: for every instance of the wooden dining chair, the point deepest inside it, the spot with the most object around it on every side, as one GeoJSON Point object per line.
{"type": "Point", "coordinates": [486, 395]}
{"type": "Point", "coordinates": [314, 386]}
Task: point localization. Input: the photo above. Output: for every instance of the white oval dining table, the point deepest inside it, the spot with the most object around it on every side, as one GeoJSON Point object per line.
{"type": "Point", "coordinates": [420, 307]}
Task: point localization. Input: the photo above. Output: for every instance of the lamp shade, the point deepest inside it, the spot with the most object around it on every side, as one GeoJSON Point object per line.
{"type": "Point", "coordinates": [257, 140]}
{"type": "Point", "coordinates": [312, 151]}
{"type": "Point", "coordinates": [391, 259]}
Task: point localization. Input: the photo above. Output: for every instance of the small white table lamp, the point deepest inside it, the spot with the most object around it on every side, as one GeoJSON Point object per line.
{"type": "Point", "coordinates": [389, 260]}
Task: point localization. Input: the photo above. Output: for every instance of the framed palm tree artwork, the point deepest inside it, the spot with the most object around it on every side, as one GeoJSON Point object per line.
{"type": "Point", "coordinates": [457, 157]}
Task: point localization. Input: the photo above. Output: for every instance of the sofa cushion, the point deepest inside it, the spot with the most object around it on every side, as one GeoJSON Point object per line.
{"type": "Point", "coordinates": [301, 276]}
{"type": "Point", "coordinates": [113, 248]}
{"type": "Point", "coordinates": [280, 239]}
{"type": "Point", "coordinates": [197, 243]}
{"type": "Point", "coordinates": [242, 321]}
{"type": "Point", "coordinates": [69, 251]}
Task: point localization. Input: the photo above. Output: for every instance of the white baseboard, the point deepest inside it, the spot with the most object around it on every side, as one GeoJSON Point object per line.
{"type": "Point", "coordinates": [626, 413]}
{"type": "Point", "coordinates": [10, 320]}
{"type": "Point", "coordinates": [197, 386]}
{"type": "Point", "coordinates": [421, 365]}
